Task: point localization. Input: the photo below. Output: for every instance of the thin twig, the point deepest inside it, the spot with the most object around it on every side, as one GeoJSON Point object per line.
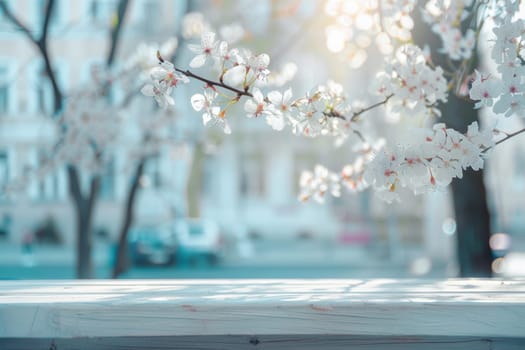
{"type": "Point", "coordinates": [511, 135]}
{"type": "Point", "coordinates": [214, 83]}
{"type": "Point", "coordinates": [357, 114]}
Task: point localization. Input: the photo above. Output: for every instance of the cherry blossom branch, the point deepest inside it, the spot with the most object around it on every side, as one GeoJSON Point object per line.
{"type": "Point", "coordinates": [375, 105]}
{"type": "Point", "coordinates": [509, 136]}
{"type": "Point", "coordinates": [189, 74]}
{"type": "Point", "coordinates": [333, 114]}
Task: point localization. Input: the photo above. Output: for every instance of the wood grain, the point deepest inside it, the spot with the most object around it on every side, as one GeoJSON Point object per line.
{"type": "Point", "coordinates": [476, 311]}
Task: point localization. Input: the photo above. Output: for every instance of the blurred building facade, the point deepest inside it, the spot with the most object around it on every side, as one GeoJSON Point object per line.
{"type": "Point", "coordinates": [78, 38]}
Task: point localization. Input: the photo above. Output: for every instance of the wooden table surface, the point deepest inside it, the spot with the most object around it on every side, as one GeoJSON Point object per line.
{"type": "Point", "coordinates": [468, 310]}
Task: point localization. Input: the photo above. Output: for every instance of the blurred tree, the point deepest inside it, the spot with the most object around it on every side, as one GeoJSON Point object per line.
{"type": "Point", "coordinates": [84, 201]}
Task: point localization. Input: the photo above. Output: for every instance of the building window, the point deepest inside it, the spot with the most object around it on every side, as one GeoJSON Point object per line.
{"type": "Point", "coordinates": [107, 184]}
{"type": "Point", "coordinates": [151, 11]}
{"type": "Point", "coordinates": [4, 90]}
{"type": "Point", "coordinates": [252, 168]}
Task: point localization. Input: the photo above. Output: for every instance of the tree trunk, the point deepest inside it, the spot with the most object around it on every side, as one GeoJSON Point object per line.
{"type": "Point", "coordinates": [84, 208]}
{"type": "Point", "coordinates": [121, 264]}
{"type": "Point", "coordinates": [470, 202]}
{"type": "Point", "coordinates": [469, 194]}
{"type": "Point", "coordinates": [84, 266]}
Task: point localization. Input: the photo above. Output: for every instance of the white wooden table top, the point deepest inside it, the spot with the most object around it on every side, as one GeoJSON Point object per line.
{"type": "Point", "coordinates": [104, 308]}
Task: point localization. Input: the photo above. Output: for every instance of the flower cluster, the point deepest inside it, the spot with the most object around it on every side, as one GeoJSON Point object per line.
{"type": "Point", "coordinates": [504, 91]}
{"type": "Point", "coordinates": [415, 86]}
{"type": "Point", "coordinates": [321, 111]}
{"type": "Point", "coordinates": [239, 70]}
{"type": "Point", "coordinates": [409, 84]}
{"type": "Point", "coordinates": [321, 181]}
{"type": "Point", "coordinates": [89, 129]}
{"type": "Point", "coordinates": [431, 162]}
{"type": "Point", "coordinates": [318, 183]}
{"type": "Point", "coordinates": [164, 79]}
{"type": "Point", "coordinates": [445, 19]}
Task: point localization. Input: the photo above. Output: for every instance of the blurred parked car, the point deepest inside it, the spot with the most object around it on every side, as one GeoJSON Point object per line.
{"type": "Point", "coordinates": [198, 241]}
{"type": "Point", "coordinates": [155, 245]}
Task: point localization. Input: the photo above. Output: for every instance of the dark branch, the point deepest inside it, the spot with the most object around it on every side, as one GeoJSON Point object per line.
{"type": "Point", "coordinates": [11, 17]}
{"type": "Point", "coordinates": [74, 185]}
{"type": "Point", "coordinates": [41, 44]}
{"type": "Point", "coordinates": [47, 18]}
{"type": "Point", "coordinates": [121, 260]}
{"type": "Point", "coordinates": [116, 30]}
{"type": "Point", "coordinates": [214, 83]}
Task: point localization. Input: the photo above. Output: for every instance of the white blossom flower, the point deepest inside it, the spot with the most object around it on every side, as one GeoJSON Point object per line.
{"type": "Point", "coordinates": [255, 106]}
{"type": "Point", "coordinates": [279, 109]}
{"type": "Point", "coordinates": [259, 66]}
{"type": "Point", "coordinates": [485, 89]}
{"type": "Point", "coordinates": [205, 50]}
{"type": "Point", "coordinates": [166, 72]}
{"type": "Point", "coordinates": [212, 113]}
{"type": "Point", "coordinates": [161, 91]}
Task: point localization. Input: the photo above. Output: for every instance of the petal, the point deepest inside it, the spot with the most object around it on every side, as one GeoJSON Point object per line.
{"type": "Point", "coordinates": [207, 39]}
{"type": "Point", "coordinates": [263, 60]}
{"type": "Point", "coordinates": [235, 75]}
{"type": "Point", "coordinates": [275, 97]}
{"type": "Point", "coordinates": [227, 129]}
{"type": "Point", "coordinates": [287, 96]}
{"type": "Point", "coordinates": [257, 95]}
{"type": "Point", "coordinates": [167, 66]}
{"type": "Point", "coordinates": [198, 61]}
{"type": "Point", "coordinates": [275, 121]}
{"type": "Point", "coordinates": [182, 78]}
{"type": "Point", "coordinates": [148, 90]}
{"type": "Point", "coordinates": [158, 73]}
{"type": "Point", "coordinates": [169, 100]}
{"type": "Point", "coordinates": [195, 48]}
{"type": "Point", "coordinates": [197, 102]}
{"type": "Point", "coordinates": [223, 48]}
{"type": "Point", "coordinates": [206, 117]}
{"type": "Point", "coordinates": [250, 106]}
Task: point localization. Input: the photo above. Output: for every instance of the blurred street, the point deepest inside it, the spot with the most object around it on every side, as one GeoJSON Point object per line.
{"type": "Point", "coordinates": [177, 272]}
{"type": "Point", "coordinates": [265, 259]}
